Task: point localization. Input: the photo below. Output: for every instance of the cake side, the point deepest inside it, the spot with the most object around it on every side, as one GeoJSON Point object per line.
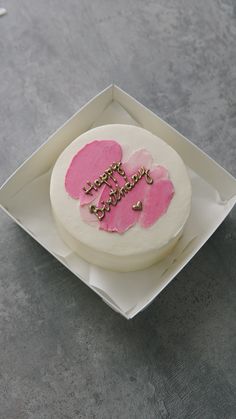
{"type": "Point", "coordinates": [127, 263]}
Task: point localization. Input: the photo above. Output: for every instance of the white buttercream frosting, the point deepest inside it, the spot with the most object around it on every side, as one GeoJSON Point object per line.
{"type": "Point", "coordinates": [138, 247]}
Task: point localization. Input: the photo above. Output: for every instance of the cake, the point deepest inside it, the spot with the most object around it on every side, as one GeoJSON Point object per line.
{"type": "Point", "coordinates": [120, 197]}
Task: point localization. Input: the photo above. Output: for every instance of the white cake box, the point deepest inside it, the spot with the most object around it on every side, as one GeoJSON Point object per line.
{"type": "Point", "coordinates": [25, 198]}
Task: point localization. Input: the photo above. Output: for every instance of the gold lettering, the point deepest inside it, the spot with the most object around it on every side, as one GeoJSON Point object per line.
{"type": "Point", "coordinates": [104, 178]}
{"type": "Point", "coordinates": [128, 186]}
{"type": "Point", "coordinates": [135, 178]}
{"type": "Point", "coordinates": [97, 182]}
{"type": "Point", "coordinates": [142, 171]}
{"type": "Point", "coordinates": [118, 193]}
{"type": "Point", "coordinates": [118, 196]}
{"type": "Point", "coordinates": [113, 197]}
{"type": "Point", "coordinates": [99, 212]}
{"type": "Point", "coordinates": [119, 169]}
{"type": "Point", "coordinates": [91, 186]}
{"type": "Point", "coordinates": [148, 177]}
{"type": "Point", "coordinates": [106, 206]}
{"type": "Point", "coordinates": [122, 191]}
{"type": "Point", "coordinates": [109, 171]}
{"type": "Point", "coordinates": [109, 201]}
{"type": "Point", "coordinates": [114, 166]}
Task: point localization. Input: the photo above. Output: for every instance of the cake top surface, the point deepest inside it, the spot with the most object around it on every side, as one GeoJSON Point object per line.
{"type": "Point", "coordinates": [121, 187]}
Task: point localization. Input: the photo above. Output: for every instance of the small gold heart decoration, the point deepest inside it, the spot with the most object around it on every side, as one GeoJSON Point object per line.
{"type": "Point", "coordinates": [138, 206]}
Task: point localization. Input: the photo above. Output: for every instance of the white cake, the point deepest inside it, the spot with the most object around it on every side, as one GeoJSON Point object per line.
{"type": "Point", "coordinates": [120, 197]}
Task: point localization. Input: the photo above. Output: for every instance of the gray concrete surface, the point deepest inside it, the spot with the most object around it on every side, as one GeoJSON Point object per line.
{"type": "Point", "coordinates": [63, 352]}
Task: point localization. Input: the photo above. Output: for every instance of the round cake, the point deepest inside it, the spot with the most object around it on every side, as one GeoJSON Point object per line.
{"type": "Point", "coordinates": [120, 197]}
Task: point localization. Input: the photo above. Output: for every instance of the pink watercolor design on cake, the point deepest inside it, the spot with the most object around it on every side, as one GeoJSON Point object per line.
{"type": "Point", "coordinates": [89, 163]}
{"type": "Point", "coordinates": [92, 160]}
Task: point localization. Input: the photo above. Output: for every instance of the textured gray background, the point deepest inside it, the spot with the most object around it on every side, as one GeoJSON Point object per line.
{"type": "Point", "coordinates": [63, 352]}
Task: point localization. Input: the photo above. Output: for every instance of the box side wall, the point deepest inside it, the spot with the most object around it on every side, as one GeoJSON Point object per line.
{"type": "Point", "coordinates": [195, 158]}
{"type": "Point", "coordinates": [181, 262]}
{"type": "Point", "coordinates": [45, 156]}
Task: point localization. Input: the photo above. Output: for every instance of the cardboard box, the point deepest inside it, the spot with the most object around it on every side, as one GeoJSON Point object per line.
{"type": "Point", "coordinates": [25, 198]}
